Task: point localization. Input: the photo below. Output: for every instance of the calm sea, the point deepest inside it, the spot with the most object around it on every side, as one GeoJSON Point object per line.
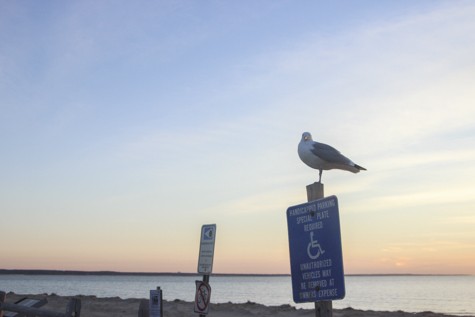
{"type": "Point", "coordinates": [453, 295]}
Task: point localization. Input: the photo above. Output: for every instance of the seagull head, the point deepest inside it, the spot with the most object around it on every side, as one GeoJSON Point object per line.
{"type": "Point", "coordinates": [306, 136]}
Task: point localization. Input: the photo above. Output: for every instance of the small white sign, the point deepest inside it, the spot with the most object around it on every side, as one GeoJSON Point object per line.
{"type": "Point", "coordinates": [155, 307]}
{"type": "Point", "coordinates": [202, 297]}
{"type": "Point", "coordinates": [205, 259]}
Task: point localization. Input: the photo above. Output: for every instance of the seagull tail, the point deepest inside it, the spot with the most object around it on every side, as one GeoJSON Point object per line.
{"type": "Point", "coordinates": [360, 168]}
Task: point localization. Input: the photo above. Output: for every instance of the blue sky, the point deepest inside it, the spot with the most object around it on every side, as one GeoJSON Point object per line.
{"type": "Point", "coordinates": [126, 126]}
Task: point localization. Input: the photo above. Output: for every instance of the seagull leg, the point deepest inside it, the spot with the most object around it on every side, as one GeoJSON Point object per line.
{"type": "Point", "coordinates": [320, 176]}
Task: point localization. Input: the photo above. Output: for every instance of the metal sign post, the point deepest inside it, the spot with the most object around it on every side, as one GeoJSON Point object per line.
{"type": "Point", "coordinates": [205, 267]}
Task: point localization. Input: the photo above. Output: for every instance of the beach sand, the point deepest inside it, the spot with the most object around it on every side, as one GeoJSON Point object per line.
{"type": "Point", "coordinates": [92, 306]}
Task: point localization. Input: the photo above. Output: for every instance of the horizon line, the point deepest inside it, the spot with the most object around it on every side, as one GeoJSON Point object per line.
{"type": "Point", "coordinates": [117, 273]}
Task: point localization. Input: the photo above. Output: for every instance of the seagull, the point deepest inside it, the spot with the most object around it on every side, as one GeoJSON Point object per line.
{"type": "Point", "coordinates": [324, 157]}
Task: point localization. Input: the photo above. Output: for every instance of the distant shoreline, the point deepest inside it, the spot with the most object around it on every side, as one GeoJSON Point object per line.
{"type": "Point", "coordinates": [115, 273]}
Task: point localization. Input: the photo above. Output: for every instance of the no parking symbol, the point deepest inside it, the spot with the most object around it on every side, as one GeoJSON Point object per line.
{"type": "Point", "coordinates": [202, 297]}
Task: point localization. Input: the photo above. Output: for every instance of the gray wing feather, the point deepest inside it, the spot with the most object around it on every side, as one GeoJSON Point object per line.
{"type": "Point", "coordinates": [329, 154]}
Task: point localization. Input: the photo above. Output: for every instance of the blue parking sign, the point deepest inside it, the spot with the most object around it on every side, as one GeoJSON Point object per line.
{"type": "Point", "coordinates": [316, 259]}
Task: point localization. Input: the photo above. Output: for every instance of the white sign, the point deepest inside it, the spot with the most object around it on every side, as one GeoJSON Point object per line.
{"type": "Point", "coordinates": [202, 297]}
{"type": "Point", "coordinates": [155, 307]}
{"type": "Point", "coordinates": [205, 260]}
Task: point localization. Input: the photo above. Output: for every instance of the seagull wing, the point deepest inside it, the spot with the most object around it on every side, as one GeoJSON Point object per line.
{"type": "Point", "coordinates": [329, 154]}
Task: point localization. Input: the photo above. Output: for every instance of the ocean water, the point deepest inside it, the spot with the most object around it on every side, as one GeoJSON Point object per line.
{"type": "Point", "coordinates": [454, 295]}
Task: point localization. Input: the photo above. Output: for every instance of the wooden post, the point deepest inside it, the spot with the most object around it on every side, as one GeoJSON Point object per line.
{"type": "Point", "coordinates": [144, 309]}
{"type": "Point", "coordinates": [74, 308]}
{"type": "Point", "coordinates": [3, 295]}
{"type": "Point", "coordinates": [323, 308]}
{"type": "Point", "coordinates": [315, 191]}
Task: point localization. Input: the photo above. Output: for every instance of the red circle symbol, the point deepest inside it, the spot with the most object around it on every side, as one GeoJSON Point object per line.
{"type": "Point", "coordinates": [202, 297]}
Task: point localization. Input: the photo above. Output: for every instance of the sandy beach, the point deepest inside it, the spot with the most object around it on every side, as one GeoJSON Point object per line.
{"type": "Point", "coordinates": [110, 307]}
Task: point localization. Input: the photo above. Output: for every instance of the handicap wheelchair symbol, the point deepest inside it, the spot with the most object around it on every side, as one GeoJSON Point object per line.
{"type": "Point", "coordinates": [317, 249]}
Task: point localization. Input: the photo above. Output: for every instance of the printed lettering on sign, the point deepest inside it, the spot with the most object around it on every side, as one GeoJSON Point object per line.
{"type": "Point", "coordinates": [207, 241]}
{"type": "Point", "coordinates": [316, 259]}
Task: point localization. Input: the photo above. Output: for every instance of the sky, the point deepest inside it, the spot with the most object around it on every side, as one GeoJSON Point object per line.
{"type": "Point", "coordinates": [127, 125]}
